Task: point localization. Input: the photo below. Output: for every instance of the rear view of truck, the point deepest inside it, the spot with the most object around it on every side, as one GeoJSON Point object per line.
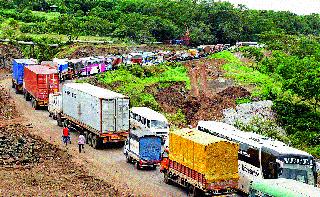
{"type": "Point", "coordinates": [102, 114]}
{"type": "Point", "coordinates": [204, 164]}
{"type": "Point", "coordinates": [143, 148]}
{"type": "Point", "coordinates": [39, 82]}
{"type": "Point", "coordinates": [18, 72]}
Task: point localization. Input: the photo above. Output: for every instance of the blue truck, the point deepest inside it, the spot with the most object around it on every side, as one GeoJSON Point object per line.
{"type": "Point", "coordinates": [143, 148]}
{"type": "Point", "coordinates": [18, 72]}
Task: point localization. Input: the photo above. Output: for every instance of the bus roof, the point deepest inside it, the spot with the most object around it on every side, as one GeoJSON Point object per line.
{"type": "Point", "coordinates": [271, 145]}
{"type": "Point", "coordinates": [148, 113]}
{"type": "Point", "coordinates": [285, 187]}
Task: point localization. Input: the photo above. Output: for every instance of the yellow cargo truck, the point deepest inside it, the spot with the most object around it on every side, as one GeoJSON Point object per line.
{"type": "Point", "coordinates": [205, 164]}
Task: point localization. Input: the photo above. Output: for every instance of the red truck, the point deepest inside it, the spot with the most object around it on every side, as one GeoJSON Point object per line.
{"type": "Point", "coordinates": [39, 82]}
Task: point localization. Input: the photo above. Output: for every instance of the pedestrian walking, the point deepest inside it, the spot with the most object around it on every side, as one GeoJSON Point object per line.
{"type": "Point", "coordinates": [65, 135]}
{"type": "Point", "coordinates": [81, 142]}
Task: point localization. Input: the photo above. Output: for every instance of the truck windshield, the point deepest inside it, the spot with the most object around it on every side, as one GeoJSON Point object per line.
{"type": "Point", "coordinates": [302, 173]}
{"type": "Point", "coordinates": [158, 124]}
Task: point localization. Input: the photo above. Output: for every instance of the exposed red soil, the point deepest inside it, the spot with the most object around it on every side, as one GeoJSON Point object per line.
{"type": "Point", "coordinates": [7, 106]}
{"type": "Point", "coordinates": [9, 52]}
{"type": "Point", "coordinates": [202, 107]}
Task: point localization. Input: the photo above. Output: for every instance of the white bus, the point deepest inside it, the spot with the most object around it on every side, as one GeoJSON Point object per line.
{"type": "Point", "coordinates": [264, 158]}
{"type": "Point", "coordinates": [151, 120]}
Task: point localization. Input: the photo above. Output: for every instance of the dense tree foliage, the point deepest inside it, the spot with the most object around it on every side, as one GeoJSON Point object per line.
{"type": "Point", "coordinates": [294, 61]}
{"type": "Point", "coordinates": [156, 20]}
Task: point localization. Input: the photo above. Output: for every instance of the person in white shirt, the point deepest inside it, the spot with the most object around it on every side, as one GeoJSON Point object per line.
{"type": "Point", "coordinates": [81, 142]}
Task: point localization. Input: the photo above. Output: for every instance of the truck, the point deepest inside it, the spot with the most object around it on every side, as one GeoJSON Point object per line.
{"type": "Point", "coordinates": [103, 115]}
{"type": "Point", "coordinates": [204, 164]}
{"type": "Point", "coordinates": [63, 68]}
{"type": "Point", "coordinates": [142, 148]}
{"type": "Point", "coordinates": [39, 81]}
{"type": "Point", "coordinates": [18, 72]}
{"type": "Point", "coordinates": [55, 104]}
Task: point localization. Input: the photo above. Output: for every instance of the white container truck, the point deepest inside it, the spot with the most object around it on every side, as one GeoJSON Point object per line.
{"type": "Point", "coordinates": [55, 105]}
{"type": "Point", "coordinates": [102, 114]}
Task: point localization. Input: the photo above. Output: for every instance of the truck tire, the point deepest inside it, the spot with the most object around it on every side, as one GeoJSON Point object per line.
{"type": "Point", "coordinates": [128, 158]}
{"type": "Point", "coordinates": [154, 167]}
{"type": "Point", "coordinates": [193, 191]}
{"type": "Point", "coordinates": [34, 104]}
{"type": "Point", "coordinates": [89, 140]}
{"type": "Point", "coordinates": [12, 84]}
{"type": "Point", "coordinates": [66, 123]}
{"type": "Point", "coordinates": [59, 120]}
{"type": "Point", "coordinates": [86, 136]}
{"type": "Point", "coordinates": [137, 164]}
{"type": "Point", "coordinates": [95, 141]}
{"type": "Point", "coordinates": [26, 96]}
{"type": "Point", "coordinates": [166, 178]}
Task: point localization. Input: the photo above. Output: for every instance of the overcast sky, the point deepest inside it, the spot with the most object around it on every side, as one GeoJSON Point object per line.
{"type": "Point", "coordinates": [295, 6]}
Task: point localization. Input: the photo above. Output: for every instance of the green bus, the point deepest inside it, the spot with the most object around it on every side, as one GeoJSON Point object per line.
{"type": "Point", "coordinates": [282, 188]}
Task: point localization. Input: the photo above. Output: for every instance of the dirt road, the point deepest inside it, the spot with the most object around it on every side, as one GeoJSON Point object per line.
{"type": "Point", "coordinates": [108, 164]}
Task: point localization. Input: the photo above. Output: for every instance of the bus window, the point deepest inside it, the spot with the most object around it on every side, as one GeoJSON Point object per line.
{"type": "Point", "coordinates": [159, 124]}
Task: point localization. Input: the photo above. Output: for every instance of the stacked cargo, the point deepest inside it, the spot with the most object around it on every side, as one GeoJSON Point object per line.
{"type": "Point", "coordinates": [214, 157]}
{"type": "Point", "coordinates": [201, 162]}
{"type": "Point", "coordinates": [18, 72]}
{"type": "Point", "coordinates": [39, 82]}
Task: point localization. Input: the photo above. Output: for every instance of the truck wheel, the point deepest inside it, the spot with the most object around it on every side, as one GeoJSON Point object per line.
{"type": "Point", "coordinates": [34, 104]}
{"type": "Point", "coordinates": [95, 141]}
{"type": "Point", "coordinates": [154, 167]}
{"type": "Point", "coordinates": [17, 89]}
{"type": "Point", "coordinates": [193, 191]}
{"type": "Point", "coordinates": [128, 158]}
{"type": "Point", "coordinates": [166, 178]}
{"type": "Point", "coordinates": [86, 136]}
{"type": "Point", "coordinates": [89, 140]}
{"type": "Point", "coordinates": [138, 165]}
{"type": "Point", "coordinates": [59, 120]}
{"type": "Point", "coordinates": [12, 84]}
{"type": "Point", "coordinates": [66, 123]}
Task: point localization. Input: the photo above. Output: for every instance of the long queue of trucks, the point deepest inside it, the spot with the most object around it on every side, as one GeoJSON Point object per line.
{"type": "Point", "coordinates": [86, 66]}
{"type": "Point", "coordinates": [213, 159]}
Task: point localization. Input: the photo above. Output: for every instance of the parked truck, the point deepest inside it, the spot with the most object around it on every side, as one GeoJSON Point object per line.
{"type": "Point", "coordinates": [39, 82]}
{"type": "Point", "coordinates": [55, 105]}
{"type": "Point", "coordinates": [102, 115]}
{"type": "Point", "coordinates": [18, 72]}
{"type": "Point", "coordinates": [206, 165]}
{"type": "Point", "coordinates": [143, 148]}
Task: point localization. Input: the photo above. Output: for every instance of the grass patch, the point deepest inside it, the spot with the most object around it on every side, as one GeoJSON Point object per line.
{"type": "Point", "coordinates": [135, 80]}
{"type": "Point", "coordinates": [264, 85]}
{"type": "Point", "coordinates": [48, 15]}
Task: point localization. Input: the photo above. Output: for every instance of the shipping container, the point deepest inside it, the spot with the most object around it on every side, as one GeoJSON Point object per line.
{"type": "Point", "coordinates": [205, 164]}
{"type": "Point", "coordinates": [39, 82]}
{"type": "Point", "coordinates": [143, 148]}
{"type": "Point", "coordinates": [55, 105]}
{"type": "Point", "coordinates": [18, 72]}
{"type": "Point", "coordinates": [103, 114]}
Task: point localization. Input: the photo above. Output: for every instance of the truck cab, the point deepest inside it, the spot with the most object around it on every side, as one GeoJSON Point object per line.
{"type": "Point", "coordinates": [143, 148]}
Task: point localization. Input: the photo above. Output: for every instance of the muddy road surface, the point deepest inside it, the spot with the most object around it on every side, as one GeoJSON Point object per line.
{"type": "Point", "coordinates": [108, 164]}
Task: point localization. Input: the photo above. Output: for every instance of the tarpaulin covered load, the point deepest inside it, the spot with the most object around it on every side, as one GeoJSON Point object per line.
{"type": "Point", "coordinates": [214, 157]}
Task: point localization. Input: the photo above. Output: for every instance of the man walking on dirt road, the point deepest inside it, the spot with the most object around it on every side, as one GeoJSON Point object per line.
{"type": "Point", "coordinates": [65, 136]}
{"type": "Point", "coordinates": [81, 142]}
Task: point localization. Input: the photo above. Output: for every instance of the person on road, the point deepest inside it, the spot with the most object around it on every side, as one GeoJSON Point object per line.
{"type": "Point", "coordinates": [81, 142]}
{"type": "Point", "coordinates": [65, 136]}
